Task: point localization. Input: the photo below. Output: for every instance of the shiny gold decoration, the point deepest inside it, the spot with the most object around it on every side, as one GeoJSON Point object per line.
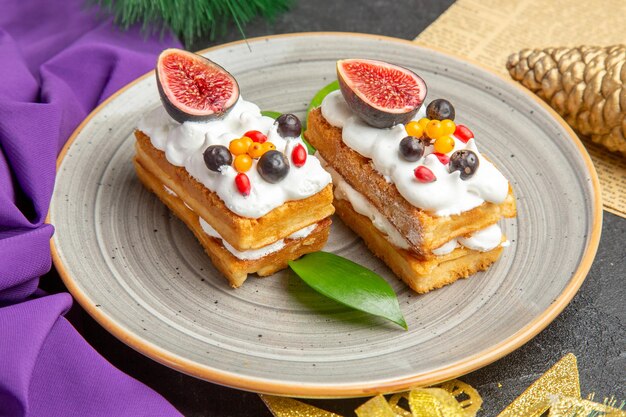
{"type": "Point", "coordinates": [465, 394]}
{"type": "Point", "coordinates": [586, 85]}
{"type": "Point", "coordinates": [376, 407]}
{"type": "Point", "coordinates": [558, 390]}
{"type": "Point", "coordinates": [570, 406]}
{"type": "Point", "coordinates": [561, 379]}
{"type": "Point", "coordinates": [423, 402]}
{"type": "Point", "coordinates": [395, 406]}
{"type": "Point", "coordinates": [427, 402]}
{"type": "Point", "coordinates": [434, 402]}
{"type": "Point", "coordinates": [288, 407]}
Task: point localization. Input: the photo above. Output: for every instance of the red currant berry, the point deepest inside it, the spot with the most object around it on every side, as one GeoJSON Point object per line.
{"type": "Point", "coordinates": [463, 133]}
{"type": "Point", "coordinates": [243, 184]}
{"type": "Point", "coordinates": [298, 155]}
{"type": "Point", "coordinates": [256, 136]}
{"type": "Point", "coordinates": [424, 174]}
{"type": "Point", "coordinates": [443, 158]}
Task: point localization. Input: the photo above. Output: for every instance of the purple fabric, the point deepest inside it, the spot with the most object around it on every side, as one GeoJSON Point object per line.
{"type": "Point", "coordinates": [57, 62]}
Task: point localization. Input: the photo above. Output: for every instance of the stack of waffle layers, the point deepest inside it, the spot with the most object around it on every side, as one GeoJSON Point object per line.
{"type": "Point", "coordinates": [357, 184]}
{"type": "Point", "coordinates": [237, 245]}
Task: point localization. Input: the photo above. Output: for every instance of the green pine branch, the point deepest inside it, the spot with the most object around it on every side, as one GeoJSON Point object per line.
{"type": "Point", "coordinates": [190, 19]}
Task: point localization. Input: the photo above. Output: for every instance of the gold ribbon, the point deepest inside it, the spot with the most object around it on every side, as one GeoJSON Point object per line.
{"type": "Point", "coordinates": [288, 407]}
{"type": "Point", "coordinates": [440, 401]}
{"type": "Point", "coordinates": [558, 390]}
{"type": "Point", "coordinates": [561, 379]}
{"type": "Point", "coordinates": [570, 406]}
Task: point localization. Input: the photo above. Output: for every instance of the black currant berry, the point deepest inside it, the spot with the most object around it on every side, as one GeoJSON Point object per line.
{"type": "Point", "coordinates": [289, 125]}
{"type": "Point", "coordinates": [273, 166]}
{"type": "Point", "coordinates": [440, 109]}
{"type": "Point", "coordinates": [412, 148]}
{"type": "Point", "coordinates": [216, 156]}
{"type": "Point", "coordinates": [464, 161]}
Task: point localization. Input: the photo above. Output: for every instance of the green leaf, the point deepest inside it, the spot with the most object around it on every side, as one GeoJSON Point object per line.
{"type": "Point", "coordinates": [350, 284]}
{"type": "Point", "coordinates": [310, 149]}
{"type": "Point", "coordinates": [270, 113]}
{"type": "Point", "coordinates": [319, 97]}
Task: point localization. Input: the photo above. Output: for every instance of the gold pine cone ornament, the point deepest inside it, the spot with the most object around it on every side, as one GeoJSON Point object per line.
{"type": "Point", "coordinates": [586, 85]}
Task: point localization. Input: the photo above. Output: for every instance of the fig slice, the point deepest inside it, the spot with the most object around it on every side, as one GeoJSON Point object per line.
{"type": "Point", "coordinates": [380, 93]}
{"type": "Point", "coordinates": [194, 88]}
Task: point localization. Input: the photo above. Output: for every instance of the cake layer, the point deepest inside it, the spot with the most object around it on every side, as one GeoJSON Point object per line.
{"type": "Point", "coordinates": [422, 230]}
{"type": "Point", "coordinates": [236, 270]}
{"type": "Point", "coordinates": [421, 275]}
{"type": "Point", "coordinates": [241, 232]}
{"type": "Point", "coordinates": [483, 240]}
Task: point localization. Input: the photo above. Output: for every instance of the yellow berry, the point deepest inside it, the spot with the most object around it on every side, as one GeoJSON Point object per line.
{"type": "Point", "coordinates": [268, 146]}
{"type": "Point", "coordinates": [256, 150]}
{"type": "Point", "coordinates": [448, 126]}
{"type": "Point", "coordinates": [444, 144]}
{"type": "Point", "coordinates": [243, 163]}
{"type": "Point", "coordinates": [238, 147]}
{"type": "Point", "coordinates": [433, 129]}
{"type": "Point", "coordinates": [423, 122]}
{"type": "Point", "coordinates": [247, 141]}
{"type": "Point", "coordinates": [414, 129]}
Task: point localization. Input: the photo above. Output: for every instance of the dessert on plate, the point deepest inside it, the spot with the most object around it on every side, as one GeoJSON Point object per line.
{"type": "Point", "coordinates": [410, 181]}
{"type": "Point", "coordinates": [242, 182]}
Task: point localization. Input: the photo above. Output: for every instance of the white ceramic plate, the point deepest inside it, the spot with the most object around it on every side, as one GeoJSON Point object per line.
{"type": "Point", "coordinates": [143, 276]}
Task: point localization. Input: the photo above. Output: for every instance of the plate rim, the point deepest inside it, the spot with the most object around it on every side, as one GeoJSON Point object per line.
{"type": "Point", "coordinates": [264, 386]}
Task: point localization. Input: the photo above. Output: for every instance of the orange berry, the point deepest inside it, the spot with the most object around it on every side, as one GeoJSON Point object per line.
{"type": "Point", "coordinates": [444, 144]}
{"type": "Point", "coordinates": [243, 163]}
{"type": "Point", "coordinates": [448, 126]}
{"type": "Point", "coordinates": [433, 129]}
{"type": "Point", "coordinates": [268, 146]}
{"type": "Point", "coordinates": [256, 150]}
{"type": "Point", "coordinates": [423, 122]}
{"type": "Point", "coordinates": [249, 141]}
{"type": "Point", "coordinates": [414, 129]}
{"type": "Point", "coordinates": [238, 147]}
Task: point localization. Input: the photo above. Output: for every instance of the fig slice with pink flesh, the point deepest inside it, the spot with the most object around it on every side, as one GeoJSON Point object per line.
{"type": "Point", "coordinates": [194, 88]}
{"type": "Point", "coordinates": [380, 93]}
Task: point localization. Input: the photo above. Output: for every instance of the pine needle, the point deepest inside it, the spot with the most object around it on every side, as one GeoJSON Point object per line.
{"type": "Point", "coordinates": [190, 19]}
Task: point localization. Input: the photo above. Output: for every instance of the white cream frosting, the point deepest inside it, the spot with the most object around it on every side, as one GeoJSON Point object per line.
{"type": "Point", "coordinates": [483, 240]}
{"type": "Point", "coordinates": [184, 145]}
{"type": "Point", "coordinates": [448, 195]}
{"type": "Point", "coordinates": [446, 248]}
{"type": "Point", "coordinates": [252, 254]}
{"type": "Point", "coordinates": [302, 233]}
{"type": "Point", "coordinates": [169, 191]}
{"type": "Point", "coordinates": [360, 204]}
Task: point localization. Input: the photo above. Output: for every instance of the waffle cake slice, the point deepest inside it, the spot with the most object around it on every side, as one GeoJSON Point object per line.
{"type": "Point", "coordinates": [243, 233]}
{"type": "Point", "coordinates": [422, 229]}
{"type": "Point", "coordinates": [242, 182]}
{"type": "Point", "coordinates": [427, 207]}
{"type": "Point", "coordinates": [235, 265]}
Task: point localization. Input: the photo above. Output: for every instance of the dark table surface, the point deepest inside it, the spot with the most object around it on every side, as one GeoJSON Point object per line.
{"type": "Point", "coordinates": [593, 326]}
